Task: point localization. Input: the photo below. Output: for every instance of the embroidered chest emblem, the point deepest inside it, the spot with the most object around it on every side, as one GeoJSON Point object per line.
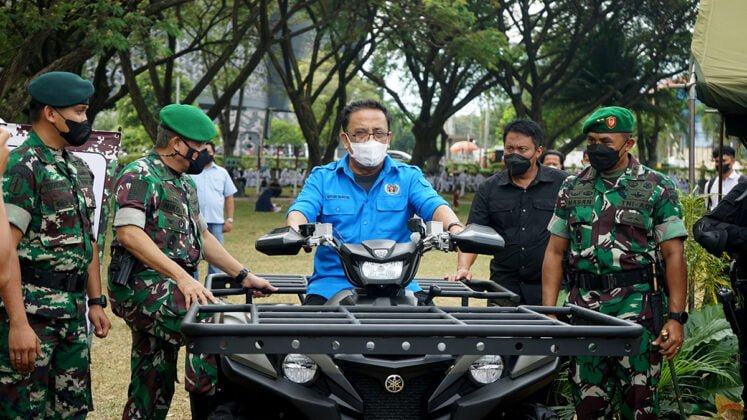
{"type": "Point", "coordinates": [391, 189]}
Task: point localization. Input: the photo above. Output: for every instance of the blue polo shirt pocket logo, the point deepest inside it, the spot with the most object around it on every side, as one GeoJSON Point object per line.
{"type": "Point", "coordinates": [391, 189]}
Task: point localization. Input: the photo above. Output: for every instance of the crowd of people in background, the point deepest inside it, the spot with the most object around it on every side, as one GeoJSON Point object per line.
{"type": "Point", "coordinates": [247, 178]}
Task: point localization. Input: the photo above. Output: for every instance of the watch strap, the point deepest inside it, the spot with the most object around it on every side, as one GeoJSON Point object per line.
{"type": "Point", "coordinates": [452, 224]}
{"type": "Point", "coordinates": [242, 274]}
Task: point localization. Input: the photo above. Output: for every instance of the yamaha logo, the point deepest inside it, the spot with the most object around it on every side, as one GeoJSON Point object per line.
{"type": "Point", "coordinates": [394, 384]}
{"type": "Point", "coordinates": [380, 253]}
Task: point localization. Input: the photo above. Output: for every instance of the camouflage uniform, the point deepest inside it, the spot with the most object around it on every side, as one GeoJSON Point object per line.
{"type": "Point", "coordinates": [614, 228]}
{"type": "Point", "coordinates": [49, 196]}
{"type": "Point", "coordinates": [164, 204]}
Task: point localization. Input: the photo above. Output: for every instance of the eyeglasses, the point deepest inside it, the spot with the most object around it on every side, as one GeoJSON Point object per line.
{"type": "Point", "coordinates": [364, 135]}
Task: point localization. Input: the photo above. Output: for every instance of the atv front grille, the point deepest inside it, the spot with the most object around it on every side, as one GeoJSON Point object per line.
{"type": "Point", "coordinates": [410, 403]}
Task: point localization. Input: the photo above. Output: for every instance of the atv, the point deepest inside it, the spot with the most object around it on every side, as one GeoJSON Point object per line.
{"type": "Point", "coordinates": [375, 352]}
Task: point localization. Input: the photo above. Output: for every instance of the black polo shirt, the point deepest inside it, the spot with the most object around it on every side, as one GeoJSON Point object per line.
{"type": "Point", "coordinates": [521, 216]}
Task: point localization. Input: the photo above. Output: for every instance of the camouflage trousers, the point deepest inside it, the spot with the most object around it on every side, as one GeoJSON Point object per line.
{"type": "Point", "coordinates": [153, 308]}
{"type": "Point", "coordinates": [595, 379]}
{"type": "Point", "coordinates": [60, 385]}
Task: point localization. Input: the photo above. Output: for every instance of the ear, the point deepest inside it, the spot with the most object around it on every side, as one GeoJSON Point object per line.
{"type": "Point", "coordinates": [345, 142]}
{"type": "Point", "coordinates": [173, 142]}
{"type": "Point", "coordinates": [49, 114]}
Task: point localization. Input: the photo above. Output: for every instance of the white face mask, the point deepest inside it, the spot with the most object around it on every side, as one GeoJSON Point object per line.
{"type": "Point", "coordinates": [369, 154]}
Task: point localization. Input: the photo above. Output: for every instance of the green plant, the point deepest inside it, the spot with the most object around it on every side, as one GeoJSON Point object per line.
{"type": "Point", "coordinates": [706, 364]}
{"type": "Point", "coordinates": [707, 272]}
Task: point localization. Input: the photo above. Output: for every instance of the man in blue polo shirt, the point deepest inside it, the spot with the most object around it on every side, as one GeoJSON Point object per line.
{"type": "Point", "coordinates": [365, 195]}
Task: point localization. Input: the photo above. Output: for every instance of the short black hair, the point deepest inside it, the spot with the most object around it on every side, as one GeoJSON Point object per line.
{"type": "Point", "coordinates": [727, 150]}
{"type": "Point", "coordinates": [527, 128]}
{"type": "Point", "coordinates": [557, 153]}
{"type": "Point", "coordinates": [35, 110]}
{"type": "Point", "coordinates": [362, 104]}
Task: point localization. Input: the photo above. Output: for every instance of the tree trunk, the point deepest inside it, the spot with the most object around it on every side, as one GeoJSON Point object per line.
{"type": "Point", "coordinates": [308, 124]}
{"type": "Point", "coordinates": [426, 134]}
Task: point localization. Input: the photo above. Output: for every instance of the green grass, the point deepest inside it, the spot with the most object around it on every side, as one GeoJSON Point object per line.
{"type": "Point", "coordinates": [111, 356]}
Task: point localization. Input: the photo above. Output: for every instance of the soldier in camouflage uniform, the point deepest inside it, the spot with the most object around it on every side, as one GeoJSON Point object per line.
{"type": "Point", "coordinates": [50, 205]}
{"type": "Point", "coordinates": [23, 344]}
{"type": "Point", "coordinates": [157, 220]}
{"type": "Point", "coordinates": [615, 216]}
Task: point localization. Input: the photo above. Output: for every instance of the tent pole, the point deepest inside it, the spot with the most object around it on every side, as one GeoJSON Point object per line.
{"type": "Point", "coordinates": [691, 128]}
{"type": "Point", "coordinates": [691, 168]}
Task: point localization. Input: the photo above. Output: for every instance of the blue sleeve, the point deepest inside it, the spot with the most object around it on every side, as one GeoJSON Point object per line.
{"type": "Point", "coordinates": [309, 200]}
{"type": "Point", "coordinates": [424, 200]}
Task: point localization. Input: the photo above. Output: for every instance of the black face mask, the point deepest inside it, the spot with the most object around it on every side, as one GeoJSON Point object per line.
{"type": "Point", "coordinates": [197, 159]}
{"type": "Point", "coordinates": [516, 164]}
{"type": "Point", "coordinates": [602, 158]}
{"type": "Point", "coordinates": [725, 168]}
{"type": "Point", "coordinates": [78, 132]}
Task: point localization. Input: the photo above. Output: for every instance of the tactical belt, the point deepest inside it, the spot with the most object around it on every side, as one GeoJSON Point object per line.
{"type": "Point", "coordinates": [66, 281]}
{"type": "Point", "coordinates": [612, 280]}
{"type": "Point", "coordinates": [140, 267]}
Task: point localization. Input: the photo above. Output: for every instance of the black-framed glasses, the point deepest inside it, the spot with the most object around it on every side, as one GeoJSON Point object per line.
{"type": "Point", "coordinates": [364, 135]}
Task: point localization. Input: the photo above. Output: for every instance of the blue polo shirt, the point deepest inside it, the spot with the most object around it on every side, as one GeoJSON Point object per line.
{"type": "Point", "coordinates": [331, 195]}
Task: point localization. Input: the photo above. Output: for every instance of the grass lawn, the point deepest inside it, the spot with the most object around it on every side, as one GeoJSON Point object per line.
{"type": "Point", "coordinates": [111, 356]}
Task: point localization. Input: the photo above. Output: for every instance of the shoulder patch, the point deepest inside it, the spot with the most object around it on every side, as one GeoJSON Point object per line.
{"type": "Point", "coordinates": [137, 191]}
{"type": "Point", "coordinates": [20, 175]}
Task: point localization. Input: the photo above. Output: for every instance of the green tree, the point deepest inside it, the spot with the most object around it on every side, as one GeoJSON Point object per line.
{"type": "Point", "coordinates": [446, 49]}
{"type": "Point", "coordinates": [339, 36]}
{"type": "Point", "coordinates": [79, 36]}
{"type": "Point", "coordinates": [215, 41]}
{"type": "Point", "coordinates": [625, 57]}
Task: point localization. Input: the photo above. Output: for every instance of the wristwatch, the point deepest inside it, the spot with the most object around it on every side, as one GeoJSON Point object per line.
{"type": "Point", "coordinates": [229, 219]}
{"type": "Point", "coordinates": [452, 224]}
{"type": "Point", "coordinates": [242, 274]}
{"type": "Point", "coordinates": [680, 317]}
{"type": "Point", "coordinates": [101, 301]}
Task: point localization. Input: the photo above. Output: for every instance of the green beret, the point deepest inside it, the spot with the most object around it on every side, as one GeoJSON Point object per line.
{"type": "Point", "coordinates": [188, 121]}
{"type": "Point", "coordinates": [60, 89]}
{"type": "Point", "coordinates": [611, 119]}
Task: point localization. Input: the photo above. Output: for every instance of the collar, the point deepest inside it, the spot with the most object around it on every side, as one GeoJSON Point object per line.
{"type": "Point", "coordinates": [543, 175]}
{"type": "Point", "coordinates": [733, 175]}
{"type": "Point", "coordinates": [344, 166]}
{"type": "Point", "coordinates": [160, 169]}
{"type": "Point", "coordinates": [46, 154]}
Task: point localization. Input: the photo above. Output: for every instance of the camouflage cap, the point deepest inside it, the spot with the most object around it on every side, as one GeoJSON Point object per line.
{"type": "Point", "coordinates": [611, 119]}
{"type": "Point", "coordinates": [60, 89]}
{"type": "Point", "coordinates": [188, 121]}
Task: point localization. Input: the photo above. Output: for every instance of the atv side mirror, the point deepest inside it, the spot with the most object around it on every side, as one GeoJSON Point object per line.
{"type": "Point", "coordinates": [478, 239]}
{"type": "Point", "coordinates": [281, 241]}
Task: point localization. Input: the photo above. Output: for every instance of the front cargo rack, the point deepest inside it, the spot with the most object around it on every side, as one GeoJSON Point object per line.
{"type": "Point", "coordinates": [224, 285]}
{"type": "Point", "coordinates": [402, 330]}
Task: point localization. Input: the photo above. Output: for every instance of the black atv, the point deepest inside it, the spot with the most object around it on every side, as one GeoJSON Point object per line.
{"type": "Point", "coordinates": [373, 352]}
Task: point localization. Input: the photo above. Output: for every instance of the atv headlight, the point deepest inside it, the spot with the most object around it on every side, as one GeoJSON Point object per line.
{"type": "Point", "coordinates": [487, 369]}
{"type": "Point", "coordinates": [382, 271]}
{"type": "Point", "coordinates": [299, 368]}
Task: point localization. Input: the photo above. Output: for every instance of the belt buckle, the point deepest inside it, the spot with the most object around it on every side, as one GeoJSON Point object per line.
{"type": "Point", "coordinates": [72, 282]}
{"type": "Point", "coordinates": [608, 281]}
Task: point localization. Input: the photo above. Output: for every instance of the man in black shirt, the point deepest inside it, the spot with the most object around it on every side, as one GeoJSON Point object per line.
{"type": "Point", "coordinates": [518, 203]}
